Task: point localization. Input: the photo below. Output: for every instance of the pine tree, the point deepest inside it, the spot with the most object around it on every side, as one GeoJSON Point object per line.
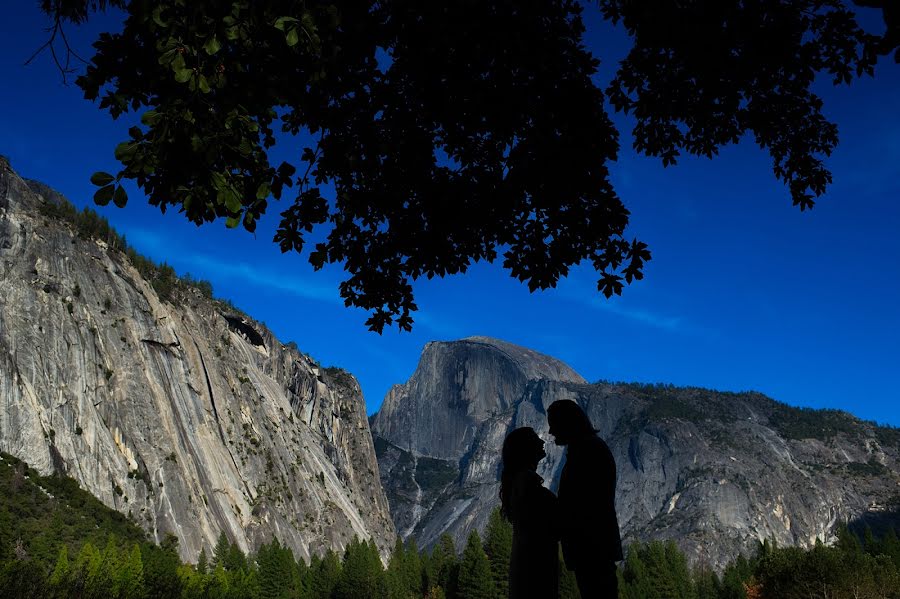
{"type": "Point", "coordinates": [218, 583]}
{"type": "Point", "coordinates": [737, 573]}
{"type": "Point", "coordinates": [161, 568]}
{"type": "Point", "coordinates": [362, 574]}
{"type": "Point", "coordinates": [658, 570]}
{"type": "Point", "coordinates": [106, 582]}
{"type": "Point", "coordinates": [245, 582]}
{"type": "Point", "coordinates": [848, 542]}
{"type": "Point", "coordinates": [275, 565]}
{"type": "Point", "coordinates": [706, 583]}
{"type": "Point", "coordinates": [269, 581]}
{"type": "Point", "coordinates": [890, 546]}
{"type": "Point", "coordinates": [475, 581]}
{"type": "Point", "coordinates": [677, 571]}
{"type": "Point", "coordinates": [498, 547]}
{"type": "Point", "coordinates": [635, 578]}
{"type": "Point", "coordinates": [869, 542]}
{"type": "Point", "coordinates": [404, 576]}
{"type": "Point", "coordinates": [131, 576]}
{"type": "Point", "coordinates": [194, 584]}
{"type": "Point", "coordinates": [654, 556]}
{"type": "Point", "coordinates": [220, 553]}
{"type": "Point", "coordinates": [323, 575]}
{"type": "Point", "coordinates": [825, 566]}
{"type": "Point", "coordinates": [298, 576]}
{"type": "Point", "coordinates": [412, 568]}
{"type": "Point", "coordinates": [443, 567]}
{"type": "Point", "coordinates": [310, 578]}
{"type": "Point", "coordinates": [202, 561]}
{"type": "Point", "coordinates": [396, 587]}
{"type": "Point", "coordinates": [778, 570]}
{"type": "Point", "coordinates": [60, 578]}
{"type": "Point", "coordinates": [235, 560]}
{"type": "Point", "coordinates": [376, 566]}
{"type": "Point", "coordinates": [87, 568]}
{"type": "Point", "coordinates": [23, 578]}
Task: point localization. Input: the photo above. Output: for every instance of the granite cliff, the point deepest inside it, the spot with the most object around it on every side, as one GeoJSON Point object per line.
{"type": "Point", "coordinates": [716, 472]}
{"type": "Point", "coordinates": [168, 405]}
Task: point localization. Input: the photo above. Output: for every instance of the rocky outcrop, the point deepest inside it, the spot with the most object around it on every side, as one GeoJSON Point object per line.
{"type": "Point", "coordinates": [455, 389]}
{"type": "Point", "coordinates": [716, 472]}
{"type": "Point", "coordinates": [191, 417]}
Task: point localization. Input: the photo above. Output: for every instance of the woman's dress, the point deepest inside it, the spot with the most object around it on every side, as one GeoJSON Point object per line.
{"type": "Point", "coordinates": [534, 562]}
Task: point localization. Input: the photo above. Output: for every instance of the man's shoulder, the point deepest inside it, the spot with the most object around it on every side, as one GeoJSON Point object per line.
{"type": "Point", "coordinates": [591, 450]}
{"type": "Point", "coordinates": [591, 443]}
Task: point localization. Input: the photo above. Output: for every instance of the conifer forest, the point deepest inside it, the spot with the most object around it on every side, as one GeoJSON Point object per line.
{"type": "Point", "coordinates": [59, 541]}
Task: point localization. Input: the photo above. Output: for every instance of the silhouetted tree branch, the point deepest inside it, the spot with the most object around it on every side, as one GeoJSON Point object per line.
{"type": "Point", "coordinates": [456, 131]}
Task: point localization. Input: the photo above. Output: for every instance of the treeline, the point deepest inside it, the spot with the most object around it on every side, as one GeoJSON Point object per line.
{"type": "Point", "coordinates": [57, 540]}
{"type": "Point", "coordinates": [147, 571]}
{"type": "Point", "coordinates": [853, 568]}
{"type": "Point", "coordinates": [667, 401]}
{"type": "Point", "coordinates": [88, 224]}
{"type": "Point", "coordinates": [38, 514]}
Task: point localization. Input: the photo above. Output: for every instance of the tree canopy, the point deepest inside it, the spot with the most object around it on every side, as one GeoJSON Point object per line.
{"type": "Point", "coordinates": [456, 131]}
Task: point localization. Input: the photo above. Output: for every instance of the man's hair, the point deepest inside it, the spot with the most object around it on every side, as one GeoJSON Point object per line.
{"type": "Point", "coordinates": [570, 415]}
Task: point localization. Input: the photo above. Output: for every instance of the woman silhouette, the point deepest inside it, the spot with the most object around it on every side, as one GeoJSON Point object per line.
{"type": "Point", "coordinates": [531, 508]}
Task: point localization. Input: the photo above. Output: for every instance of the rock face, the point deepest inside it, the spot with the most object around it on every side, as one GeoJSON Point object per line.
{"type": "Point", "coordinates": [716, 472]}
{"type": "Point", "coordinates": [456, 388]}
{"type": "Point", "coordinates": [183, 413]}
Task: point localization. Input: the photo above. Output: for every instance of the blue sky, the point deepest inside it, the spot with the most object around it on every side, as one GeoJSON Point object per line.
{"type": "Point", "coordinates": [744, 291]}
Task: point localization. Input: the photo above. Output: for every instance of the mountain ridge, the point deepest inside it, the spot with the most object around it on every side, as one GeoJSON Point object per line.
{"type": "Point", "coordinates": [167, 404]}
{"type": "Point", "coordinates": [715, 471]}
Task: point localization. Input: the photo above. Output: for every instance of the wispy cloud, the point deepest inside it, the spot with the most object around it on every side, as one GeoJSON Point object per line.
{"type": "Point", "coordinates": [443, 328]}
{"type": "Point", "coordinates": [299, 286]}
{"type": "Point", "coordinates": [215, 268]}
{"type": "Point", "coordinates": [580, 292]}
{"type": "Point", "coordinates": [144, 239]}
{"type": "Point", "coordinates": [648, 317]}
{"type": "Point", "coordinates": [209, 267]}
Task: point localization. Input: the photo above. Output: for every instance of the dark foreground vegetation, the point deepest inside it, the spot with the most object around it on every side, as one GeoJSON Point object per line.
{"type": "Point", "coordinates": [451, 132]}
{"type": "Point", "coordinates": [56, 540]}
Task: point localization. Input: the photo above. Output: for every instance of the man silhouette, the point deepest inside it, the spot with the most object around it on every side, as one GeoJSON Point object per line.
{"type": "Point", "coordinates": [590, 540]}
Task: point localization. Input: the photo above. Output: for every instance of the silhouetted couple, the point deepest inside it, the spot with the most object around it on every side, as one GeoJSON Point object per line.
{"type": "Point", "coordinates": [582, 517]}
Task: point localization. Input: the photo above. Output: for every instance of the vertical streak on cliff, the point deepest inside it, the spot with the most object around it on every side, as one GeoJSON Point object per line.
{"type": "Point", "coordinates": [418, 511]}
{"type": "Point", "coordinates": [212, 401]}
